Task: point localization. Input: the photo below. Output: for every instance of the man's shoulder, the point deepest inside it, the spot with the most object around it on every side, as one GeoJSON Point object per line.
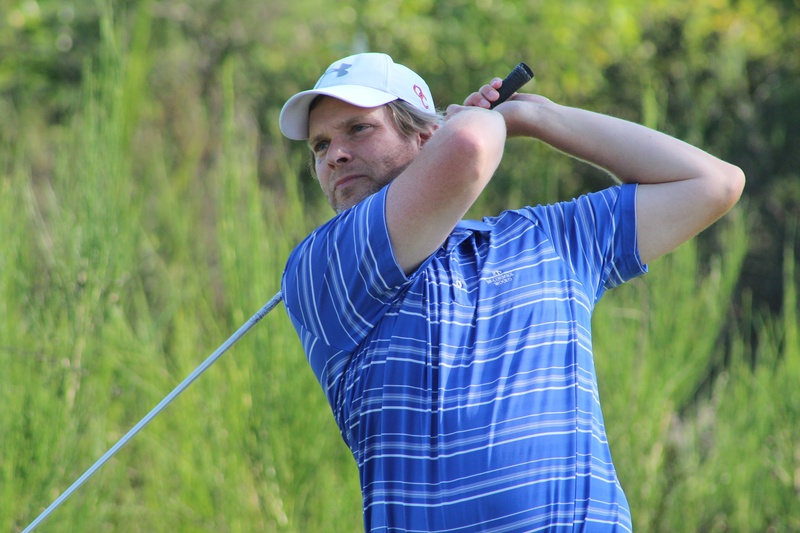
{"type": "Point", "coordinates": [351, 225]}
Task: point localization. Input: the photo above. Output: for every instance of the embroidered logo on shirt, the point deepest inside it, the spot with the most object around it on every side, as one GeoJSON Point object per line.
{"type": "Point", "coordinates": [499, 277]}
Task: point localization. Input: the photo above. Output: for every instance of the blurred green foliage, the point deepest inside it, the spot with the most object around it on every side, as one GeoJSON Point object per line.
{"type": "Point", "coordinates": [724, 74]}
{"type": "Point", "coordinates": [148, 201]}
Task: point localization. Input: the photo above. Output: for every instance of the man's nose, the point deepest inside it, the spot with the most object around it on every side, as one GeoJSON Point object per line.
{"type": "Point", "coordinates": [338, 154]}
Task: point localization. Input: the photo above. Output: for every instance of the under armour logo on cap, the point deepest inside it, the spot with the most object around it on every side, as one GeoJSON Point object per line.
{"type": "Point", "coordinates": [340, 71]}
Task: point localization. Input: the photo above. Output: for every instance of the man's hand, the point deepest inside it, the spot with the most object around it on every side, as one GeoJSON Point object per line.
{"type": "Point", "coordinates": [520, 111]}
{"type": "Point", "coordinates": [486, 95]}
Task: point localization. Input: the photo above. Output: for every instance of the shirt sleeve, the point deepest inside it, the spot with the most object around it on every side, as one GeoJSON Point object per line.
{"type": "Point", "coordinates": [596, 235]}
{"type": "Point", "coordinates": [343, 277]}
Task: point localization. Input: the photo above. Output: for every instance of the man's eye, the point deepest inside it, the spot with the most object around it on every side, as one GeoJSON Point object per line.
{"type": "Point", "coordinates": [360, 127]}
{"type": "Point", "coordinates": [320, 147]}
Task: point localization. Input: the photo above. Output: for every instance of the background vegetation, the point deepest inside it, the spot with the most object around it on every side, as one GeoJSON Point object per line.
{"type": "Point", "coordinates": [148, 203]}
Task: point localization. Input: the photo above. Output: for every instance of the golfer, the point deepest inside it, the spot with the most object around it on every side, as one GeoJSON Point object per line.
{"type": "Point", "coordinates": [456, 354]}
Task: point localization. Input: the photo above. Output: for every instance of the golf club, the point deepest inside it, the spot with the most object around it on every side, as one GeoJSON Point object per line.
{"type": "Point", "coordinates": [518, 77]}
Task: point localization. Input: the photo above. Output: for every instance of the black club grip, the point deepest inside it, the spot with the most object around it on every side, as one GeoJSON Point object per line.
{"type": "Point", "coordinates": [518, 77]}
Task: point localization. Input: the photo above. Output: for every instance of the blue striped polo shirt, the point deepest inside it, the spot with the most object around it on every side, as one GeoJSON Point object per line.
{"type": "Point", "coordinates": [467, 391]}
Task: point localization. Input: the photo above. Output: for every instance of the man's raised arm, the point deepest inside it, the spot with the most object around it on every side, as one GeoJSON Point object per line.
{"type": "Point", "coordinates": [428, 199]}
{"type": "Point", "coordinates": [683, 189]}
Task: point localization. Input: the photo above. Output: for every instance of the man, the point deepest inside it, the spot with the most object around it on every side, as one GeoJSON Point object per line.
{"type": "Point", "coordinates": [456, 355]}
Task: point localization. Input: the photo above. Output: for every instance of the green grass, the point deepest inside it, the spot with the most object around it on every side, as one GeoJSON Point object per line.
{"type": "Point", "coordinates": [119, 275]}
{"type": "Point", "coordinates": [702, 421]}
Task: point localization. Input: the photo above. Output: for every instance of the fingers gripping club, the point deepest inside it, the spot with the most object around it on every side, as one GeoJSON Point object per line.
{"type": "Point", "coordinates": [518, 77]}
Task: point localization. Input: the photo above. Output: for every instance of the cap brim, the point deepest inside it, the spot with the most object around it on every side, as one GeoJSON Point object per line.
{"type": "Point", "coordinates": [294, 115]}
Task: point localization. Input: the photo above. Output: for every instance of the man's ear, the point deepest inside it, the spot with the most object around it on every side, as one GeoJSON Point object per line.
{"type": "Point", "coordinates": [424, 137]}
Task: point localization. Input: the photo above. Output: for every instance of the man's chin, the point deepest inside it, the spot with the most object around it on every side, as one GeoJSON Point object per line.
{"type": "Point", "coordinates": [347, 204]}
{"type": "Point", "coordinates": [354, 197]}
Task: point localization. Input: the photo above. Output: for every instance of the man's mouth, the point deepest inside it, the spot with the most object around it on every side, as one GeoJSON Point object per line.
{"type": "Point", "coordinates": [345, 180]}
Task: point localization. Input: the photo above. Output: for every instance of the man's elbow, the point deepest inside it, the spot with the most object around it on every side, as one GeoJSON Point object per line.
{"type": "Point", "coordinates": [479, 148]}
{"type": "Point", "coordinates": [729, 187]}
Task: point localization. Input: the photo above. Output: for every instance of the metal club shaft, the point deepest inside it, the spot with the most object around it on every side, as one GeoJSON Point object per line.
{"type": "Point", "coordinates": [269, 306]}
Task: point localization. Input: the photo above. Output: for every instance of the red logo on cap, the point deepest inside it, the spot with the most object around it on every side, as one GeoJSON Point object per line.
{"type": "Point", "coordinates": [422, 98]}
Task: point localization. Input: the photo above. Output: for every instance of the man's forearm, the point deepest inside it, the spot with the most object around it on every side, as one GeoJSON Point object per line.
{"type": "Point", "coordinates": [683, 189]}
{"type": "Point", "coordinates": [629, 151]}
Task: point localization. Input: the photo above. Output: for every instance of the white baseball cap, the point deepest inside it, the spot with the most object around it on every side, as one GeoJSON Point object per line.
{"type": "Point", "coordinates": [363, 80]}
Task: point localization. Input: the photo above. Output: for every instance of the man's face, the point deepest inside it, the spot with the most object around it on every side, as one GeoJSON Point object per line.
{"type": "Point", "coordinates": [356, 150]}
